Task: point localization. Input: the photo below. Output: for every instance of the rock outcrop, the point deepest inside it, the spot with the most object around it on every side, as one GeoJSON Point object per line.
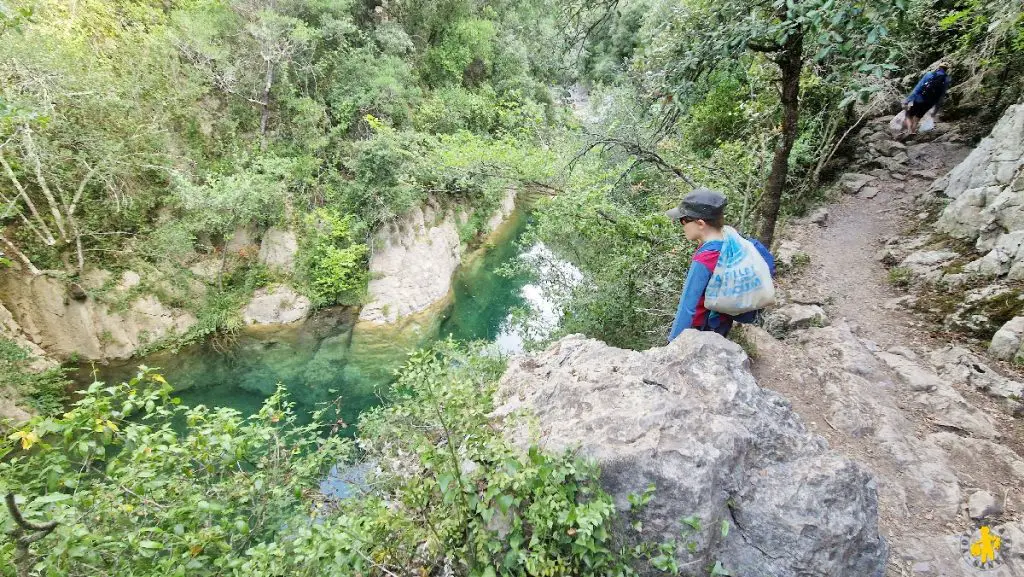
{"type": "Point", "coordinates": [66, 327]}
{"type": "Point", "coordinates": [414, 258]}
{"type": "Point", "coordinates": [278, 249]}
{"type": "Point", "coordinates": [987, 189]}
{"type": "Point", "coordinates": [689, 418]}
{"type": "Point", "coordinates": [1008, 342]}
{"type": "Point", "coordinates": [276, 305]}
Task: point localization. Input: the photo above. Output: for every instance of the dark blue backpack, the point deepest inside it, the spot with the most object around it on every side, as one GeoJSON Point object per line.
{"type": "Point", "coordinates": [934, 88]}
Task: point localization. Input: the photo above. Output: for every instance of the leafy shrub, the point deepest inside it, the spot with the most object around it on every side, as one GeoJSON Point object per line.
{"type": "Point", "coordinates": [380, 183]}
{"type": "Point", "coordinates": [453, 108]}
{"type": "Point", "coordinates": [139, 485]}
{"type": "Point", "coordinates": [719, 117]}
{"type": "Point", "coordinates": [132, 496]}
{"type": "Point", "coordinates": [332, 262]}
{"type": "Point", "coordinates": [368, 83]}
{"type": "Point", "coordinates": [463, 56]}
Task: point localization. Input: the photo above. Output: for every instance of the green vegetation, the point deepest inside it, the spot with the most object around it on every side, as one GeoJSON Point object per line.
{"type": "Point", "coordinates": [131, 494]}
{"type": "Point", "coordinates": [43, 390]}
{"type": "Point", "coordinates": [143, 137]}
{"type": "Point", "coordinates": [165, 138]}
{"type": "Point", "coordinates": [753, 100]}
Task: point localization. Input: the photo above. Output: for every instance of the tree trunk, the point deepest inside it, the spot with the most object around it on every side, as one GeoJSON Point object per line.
{"type": "Point", "coordinates": [265, 116]}
{"type": "Point", "coordinates": [790, 62]}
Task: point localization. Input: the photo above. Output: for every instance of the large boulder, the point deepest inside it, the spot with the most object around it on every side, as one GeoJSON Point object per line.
{"type": "Point", "coordinates": [995, 161]}
{"type": "Point", "coordinates": [852, 182]}
{"type": "Point", "coordinates": [1008, 342]}
{"type": "Point", "coordinates": [689, 418]}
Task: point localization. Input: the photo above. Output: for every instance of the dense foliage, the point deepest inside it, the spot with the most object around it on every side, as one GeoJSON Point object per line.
{"type": "Point", "coordinates": [139, 485]}
{"type": "Point", "coordinates": [165, 137]}
{"type": "Point", "coordinates": [754, 99]}
{"type": "Point", "coordinates": [147, 136]}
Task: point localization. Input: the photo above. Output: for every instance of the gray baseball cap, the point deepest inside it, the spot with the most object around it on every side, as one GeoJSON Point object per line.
{"type": "Point", "coordinates": [702, 203]}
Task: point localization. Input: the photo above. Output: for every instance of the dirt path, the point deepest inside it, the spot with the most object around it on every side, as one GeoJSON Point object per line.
{"type": "Point", "coordinates": [883, 391]}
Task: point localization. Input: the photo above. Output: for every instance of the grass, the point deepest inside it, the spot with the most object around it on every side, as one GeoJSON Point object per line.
{"type": "Point", "coordinates": [899, 277]}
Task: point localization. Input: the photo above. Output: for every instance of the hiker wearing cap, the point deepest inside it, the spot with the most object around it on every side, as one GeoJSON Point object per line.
{"type": "Point", "coordinates": [702, 216]}
{"type": "Point", "coordinates": [928, 92]}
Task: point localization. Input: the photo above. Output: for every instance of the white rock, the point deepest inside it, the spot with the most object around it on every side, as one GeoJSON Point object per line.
{"type": "Point", "coordinates": [795, 316]}
{"type": "Point", "coordinates": [689, 418]}
{"type": "Point", "coordinates": [129, 279]}
{"type": "Point", "coordinates": [982, 504]}
{"type": "Point", "coordinates": [1008, 340]}
{"type": "Point", "coordinates": [277, 305]}
{"type": "Point", "coordinates": [411, 264]}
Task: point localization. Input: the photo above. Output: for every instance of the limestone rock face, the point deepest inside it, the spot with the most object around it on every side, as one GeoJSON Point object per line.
{"type": "Point", "coordinates": [277, 305]}
{"type": "Point", "coordinates": [988, 192]}
{"type": "Point", "coordinates": [278, 249]}
{"type": "Point", "coordinates": [413, 259]}
{"type": "Point", "coordinates": [87, 328]}
{"type": "Point", "coordinates": [505, 208]}
{"type": "Point", "coordinates": [689, 418]}
{"type": "Point", "coordinates": [412, 263]}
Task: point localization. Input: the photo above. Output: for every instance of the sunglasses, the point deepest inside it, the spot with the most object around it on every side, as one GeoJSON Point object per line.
{"type": "Point", "coordinates": [687, 219]}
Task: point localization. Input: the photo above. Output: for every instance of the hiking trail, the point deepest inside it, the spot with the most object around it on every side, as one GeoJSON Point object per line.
{"type": "Point", "coordinates": [880, 383]}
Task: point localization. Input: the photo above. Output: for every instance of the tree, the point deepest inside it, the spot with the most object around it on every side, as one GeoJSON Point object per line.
{"type": "Point", "coordinates": [838, 35]}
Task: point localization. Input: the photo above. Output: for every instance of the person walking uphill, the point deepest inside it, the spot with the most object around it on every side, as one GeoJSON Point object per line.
{"type": "Point", "coordinates": [702, 215]}
{"type": "Point", "coordinates": [929, 91]}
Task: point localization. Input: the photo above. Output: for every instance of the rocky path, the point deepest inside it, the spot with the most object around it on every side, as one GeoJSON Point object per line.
{"type": "Point", "coordinates": [874, 382]}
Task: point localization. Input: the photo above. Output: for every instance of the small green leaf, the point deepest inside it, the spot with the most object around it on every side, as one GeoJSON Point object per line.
{"type": "Point", "coordinates": [504, 502]}
{"type": "Point", "coordinates": [719, 571]}
{"type": "Point", "coordinates": [444, 481]}
{"type": "Point", "coordinates": [51, 498]}
{"type": "Point", "coordinates": [725, 528]}
{"type": "Point", "coordinates": [693, 521]}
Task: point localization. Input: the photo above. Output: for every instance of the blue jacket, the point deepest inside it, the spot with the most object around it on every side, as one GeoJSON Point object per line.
{"type": "Point", "coordinates": [917, 96]}
{"type": "Point", "coordinates": [691, 312]}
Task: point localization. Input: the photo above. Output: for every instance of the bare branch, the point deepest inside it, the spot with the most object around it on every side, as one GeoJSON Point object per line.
{"type": "Point", "coordinates": [81, 188]}
{"type": "Point", "coordinates": [30, 151]}
{"type": "Point", "coordinates": [44, 231]}
{"type": "Point", "coordinates": [21, 256]}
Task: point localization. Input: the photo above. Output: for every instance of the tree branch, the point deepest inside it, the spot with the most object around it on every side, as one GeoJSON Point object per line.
{"type": "Point", "coordinates": [30, 151]}
{"type": "Point", "coordinates": [36, 531]}
{"type": "Point", "coordinates": [643, 154]}
{"type": "Point", "coordinates": [21, 256]}
{"type": "Point", "coordinates": [45, 235]}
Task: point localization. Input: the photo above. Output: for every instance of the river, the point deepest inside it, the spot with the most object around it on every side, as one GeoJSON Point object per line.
{"type": "Point", "coordinates": [329, 356]}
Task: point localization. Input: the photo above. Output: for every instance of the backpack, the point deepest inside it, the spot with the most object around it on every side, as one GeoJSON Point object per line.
{"type": "Point", "coordinates": [933, 88]}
